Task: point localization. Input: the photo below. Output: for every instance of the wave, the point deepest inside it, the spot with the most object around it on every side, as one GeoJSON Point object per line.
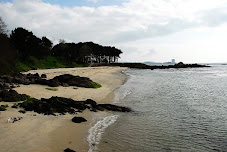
{"type": "Point", "coordinates": [97, 130]}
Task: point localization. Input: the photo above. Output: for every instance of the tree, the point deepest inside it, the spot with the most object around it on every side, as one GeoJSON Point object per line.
{"type": "Point", "coordinates": [46, 42]}
{"type": "Point", "coordinates": [84, 51]}
{"type": "Point", "coordinates": [21, 37]}
{"type": "Point", "coordinates": [3, 29]}
{"type": "Point", "coordinates": [28, 44]}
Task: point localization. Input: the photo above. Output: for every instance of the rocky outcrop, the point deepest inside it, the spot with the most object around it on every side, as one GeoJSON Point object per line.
{"type": "Point", "coordinates": [62, 105]}
{"type": "Point", "coordinates": [78, 119]}
{"type": "Point", "coordinates": [73, 80]}
{"type": "Point", "coordinates": [64, 80]}
{"type": "Point", "coordinates": [151, 67]}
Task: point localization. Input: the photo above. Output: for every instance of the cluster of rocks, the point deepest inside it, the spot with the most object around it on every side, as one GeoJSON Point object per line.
{"type": "Point", "coordinates": [14, 119]}
{"type": "Point", "coordinates": [7, 81]}
{"type": "Point", "coordinates": [62, 105]}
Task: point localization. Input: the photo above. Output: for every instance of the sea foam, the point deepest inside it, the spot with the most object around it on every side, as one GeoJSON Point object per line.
{"type": "Point", "coordinates": [97, 130]}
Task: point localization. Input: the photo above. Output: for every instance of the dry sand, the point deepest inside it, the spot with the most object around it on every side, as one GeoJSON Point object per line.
{"type": "Point", "coordinates": [39, 133]}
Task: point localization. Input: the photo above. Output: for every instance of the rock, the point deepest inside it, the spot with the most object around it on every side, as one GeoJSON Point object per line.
{"type": "Point", "coordinates": [12, 96]}
{"type": "Point", "coordinates": [69, 150]}
{"type": "Point", "coordinates": [72, 80]}
{"type": "Point", "coordinates": [91, 102]}
{"type": "Point", "coordinates": [111, 107]}
{"type": "Point", "coordinates": [64, 80]}
{"type": "Point", "coordinates": [43, 76]}
{"type": "Point", "coordinates": [78, 119]}
{"type": "Point", "coordinates": [53, 83]}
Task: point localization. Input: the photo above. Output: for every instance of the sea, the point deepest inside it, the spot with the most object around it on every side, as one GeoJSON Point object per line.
{"type": "Point", "coordinates": [174, 110]}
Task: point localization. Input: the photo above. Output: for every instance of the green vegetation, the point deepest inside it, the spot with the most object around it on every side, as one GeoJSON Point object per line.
{"type": "Point", "coordinates": [3, 107]}
{"type": "Point", "coordinates": [47, 63]}
{"type": "Point", "coordinates": [96, 85]}
{"type": "Point", "coordinates": [52, 89]}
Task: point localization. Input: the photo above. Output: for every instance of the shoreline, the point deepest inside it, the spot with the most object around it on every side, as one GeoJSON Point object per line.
{"type": "Point", "coordinates": [49, 133]}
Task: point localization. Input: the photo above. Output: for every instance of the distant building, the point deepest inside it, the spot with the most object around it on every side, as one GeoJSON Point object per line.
{"type": "Point", "coordinates": [173, 61]}
{"type": "Point", "coordinates": [170, 63]}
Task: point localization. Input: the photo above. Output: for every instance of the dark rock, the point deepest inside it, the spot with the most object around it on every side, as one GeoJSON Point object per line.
{"type": "Point", "coordinates": [78, 119]}
{"type": "Point", "coordinates": [73, 80]}
{"type": "Point", "coordinates": [43, 76]}
{"type": "Point", "coordinates": [12, 96]}
{"type": "Point", "coordinates": [26, 79]}
{"type": "Point", "coordinates": [91, 102]}
{"type": "Point", "coordinates": [69, 150]}
{"type": "Point", "coordinates": [53, 105]}
{"type": "Point", "coordinates": [111, 107]}
{"type": "Point", "coordinates": [53, 83]}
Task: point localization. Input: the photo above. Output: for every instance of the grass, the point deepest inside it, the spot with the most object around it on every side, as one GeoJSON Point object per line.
{"type": "Point", "coordinates": [45, 63]}
{"type": "Point", "coordinates": [96, 85]}
{"type": "Point", "coordinates": [52, 89]}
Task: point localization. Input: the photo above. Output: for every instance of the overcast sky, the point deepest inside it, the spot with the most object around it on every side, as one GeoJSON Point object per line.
{"type": "Point", "coordinates": [145, 30]}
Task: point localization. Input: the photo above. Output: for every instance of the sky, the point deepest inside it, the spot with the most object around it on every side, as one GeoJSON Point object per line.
{"type": "Point", "coordinates": [191, 31]}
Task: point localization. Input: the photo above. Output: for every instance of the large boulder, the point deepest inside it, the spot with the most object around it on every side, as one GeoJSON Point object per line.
{"type": "Point", "coordinates": [72, 80]}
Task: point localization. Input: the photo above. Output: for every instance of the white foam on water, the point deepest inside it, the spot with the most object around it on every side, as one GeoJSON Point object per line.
{"type": "Point", "coordinates": [95, 132]}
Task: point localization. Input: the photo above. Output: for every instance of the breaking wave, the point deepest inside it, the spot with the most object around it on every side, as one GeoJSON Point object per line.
{"type": "Point", "coordinates": [97, 130]}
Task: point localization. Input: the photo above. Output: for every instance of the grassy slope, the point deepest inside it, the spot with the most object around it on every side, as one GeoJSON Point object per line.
{"type": "Point", "coordinates": [47, 63]}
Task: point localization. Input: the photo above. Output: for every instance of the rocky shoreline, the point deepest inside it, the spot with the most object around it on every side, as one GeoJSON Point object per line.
{"type": "Point", "coordinates": [152, 67]}
{"type": "Point", "coordinates": [54, 104]}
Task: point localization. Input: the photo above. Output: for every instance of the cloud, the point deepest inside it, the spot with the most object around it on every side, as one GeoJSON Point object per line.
{"type": "Point", "coordinates": [132, 21]}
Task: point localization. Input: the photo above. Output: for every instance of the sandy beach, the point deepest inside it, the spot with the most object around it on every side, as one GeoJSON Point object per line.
{"type": "Point", "coordinates": [38, 133]}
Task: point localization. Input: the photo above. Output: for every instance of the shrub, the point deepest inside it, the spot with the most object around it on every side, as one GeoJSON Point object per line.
{"type": "Point", "coordinates": [52, 89]}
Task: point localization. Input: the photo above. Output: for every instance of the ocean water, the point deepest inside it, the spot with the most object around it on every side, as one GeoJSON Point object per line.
{"type": "Point", "coordinates": [174, 110]}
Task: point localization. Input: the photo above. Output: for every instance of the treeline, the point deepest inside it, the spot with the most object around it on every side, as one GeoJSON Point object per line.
{"type": "Point", "coordinates": [21, 49]}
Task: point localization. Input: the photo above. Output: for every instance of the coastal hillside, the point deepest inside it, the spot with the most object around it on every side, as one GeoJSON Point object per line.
{"type": "Point", "coordinates": [21, 50]}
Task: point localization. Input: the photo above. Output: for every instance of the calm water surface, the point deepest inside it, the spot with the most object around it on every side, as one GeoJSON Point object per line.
{"type": "Point", "coordinates": [175, 110]}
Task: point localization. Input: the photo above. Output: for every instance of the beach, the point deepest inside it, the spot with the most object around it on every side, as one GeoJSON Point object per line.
{"type": "Point", "coordinates": [37, 132]}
